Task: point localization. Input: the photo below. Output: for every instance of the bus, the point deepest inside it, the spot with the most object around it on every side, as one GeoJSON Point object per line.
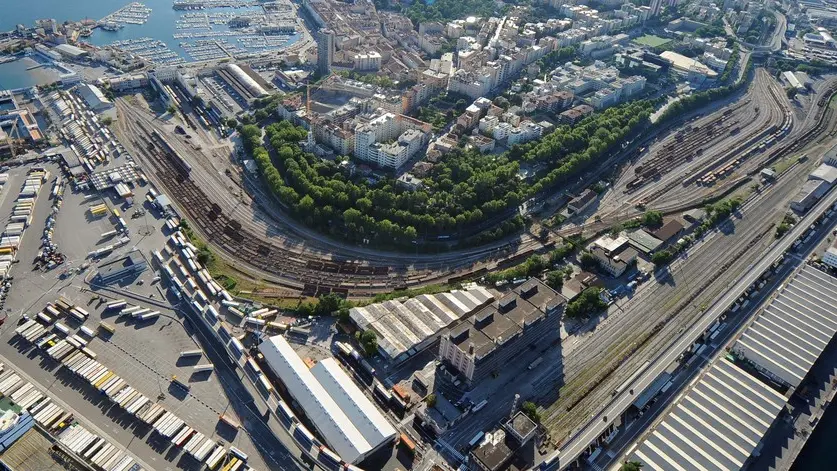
{"type": "Point", "coordinates": [477, 438]}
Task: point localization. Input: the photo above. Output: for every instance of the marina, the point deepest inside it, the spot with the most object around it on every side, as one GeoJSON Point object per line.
{"type": "Point", "coordinates": [207, 30]}
{"type": "Point", "coordinates": [133, 13]}
{"type": "Point", "coordinates": [151, 49]}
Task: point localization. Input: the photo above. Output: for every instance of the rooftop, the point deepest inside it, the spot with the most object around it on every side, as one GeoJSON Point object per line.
{"type": "Point", "coordinates": [320, 408]}
{"type": "Point", "coordinates": [403, 325]}
{"type": "Point", "coordinates": [500, 321]}
{"type": "Point", "coordinates": [826, 173]}
{"type": "Point", "coordinates": [716, 424]}
{"type": "Point", "coordinates": [644, 241]}
{"type": "Point", "coordinates": [790, 334]}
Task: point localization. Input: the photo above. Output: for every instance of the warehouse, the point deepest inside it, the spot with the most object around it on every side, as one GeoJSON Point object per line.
{"type": "Point", "coordinates": [408, 327]}
{"type": "Point", "coordinates": [245, 80]}
{"type": "Point", "coordinates": [374, 427]}
{"type": "Point", "coordinates": [785, 340]}
{"type": "Point", "coordinates": [344, 420]}
{"type": "Point", "coordinates": [93, 96]}
{"type": "Point", "coordinates": [716, 424]}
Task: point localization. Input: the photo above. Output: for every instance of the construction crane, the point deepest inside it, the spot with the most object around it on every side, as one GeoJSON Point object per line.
{"type": "Point", "coordinates": [13, 132]}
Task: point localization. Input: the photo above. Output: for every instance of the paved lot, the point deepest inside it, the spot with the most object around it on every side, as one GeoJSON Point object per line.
{"type": "Point", "coordinates": [145, 355]}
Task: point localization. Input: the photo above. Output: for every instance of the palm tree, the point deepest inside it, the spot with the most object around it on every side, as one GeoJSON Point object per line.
{"type": "Point", "coordinates": [631, 466]}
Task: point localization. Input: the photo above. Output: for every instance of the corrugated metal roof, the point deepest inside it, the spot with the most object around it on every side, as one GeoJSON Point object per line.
{"type": "Point", "coordinates": [791, 333]}
{"type": "Point", "coordinates": [330, 420]}
{"type": "Point", "coordinates": [715, 426]}
{"type": "Point", "coordinates": [403, 325]}
{"type": "Point", "coordinates": [364, 415]}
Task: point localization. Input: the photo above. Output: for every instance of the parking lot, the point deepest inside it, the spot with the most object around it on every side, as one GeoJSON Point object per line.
{"type": "Point", "coordinates": [144, 354]}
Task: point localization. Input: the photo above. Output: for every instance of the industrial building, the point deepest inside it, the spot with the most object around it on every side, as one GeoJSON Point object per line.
{"type": "Point", "coordinates": [810, 193]}
{"type": "Point", "coordinates": [785, 340]}
{"type": "Point", "coordinates": [408, 327]}
{"type": "Point", "coordinates": [487, 341]}
{"type": "Point", "coordinates": [716, 424]}
{"type": "Point", "coordinates": [93, 96]}
{"type": "Point", "coordinates": [349, 423]}
{"type": "Point", "coordinates": [242, 81]}
{"type": "Point", "coordinates": [113, 271]}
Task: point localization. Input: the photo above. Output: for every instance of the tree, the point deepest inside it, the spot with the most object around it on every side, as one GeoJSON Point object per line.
{"type": "Point", "coordinates": [171, 109]}
{"type": "Point", "coordinates": [531, 411]}
{"type": "Point", "coordinates": [631, 466]}
{"type": "Point", "coordinates": [555, 279]}
{"type": "Point", "coordinates": [587, 303]}
{"type": "Point", "coordinates": [430, 400]}
{"type": "Point", "coordinates": [369, 342]}
{"type": "Point", "coordinates": [107, 120]}
{"type": "Point", "coordinates": [791, 92]}
{"type": "Point", "coordinates": [652, 219]}
{"type": "Point", "coordinates": [327, 304]}
{"type": "Point", "coordinates": [662, 258]}
{"type": "Point", "coordinates": [588, 261]}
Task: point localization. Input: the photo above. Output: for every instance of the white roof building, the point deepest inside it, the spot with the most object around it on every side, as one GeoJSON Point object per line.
{"type": "Point", "coordinates": [364, 415]}
{"type": "Point", "coordinates": [321, 409]}
{"type": "Point", "coordinates": [714, 425]}
{"type": "Point", "coordinates": [408, 327]}
{"type": "Point", "coordinates": [94, 97]}
{"type": "Point", "coordinates": [790, 334]}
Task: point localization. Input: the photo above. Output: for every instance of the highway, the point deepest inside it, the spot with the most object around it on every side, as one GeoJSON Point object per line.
{"type": "Point", "coordinates": [574, 447]}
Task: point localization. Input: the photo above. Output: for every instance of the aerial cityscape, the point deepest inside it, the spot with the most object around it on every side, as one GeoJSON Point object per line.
{"type": "Point", "coordinates": [430, 235]}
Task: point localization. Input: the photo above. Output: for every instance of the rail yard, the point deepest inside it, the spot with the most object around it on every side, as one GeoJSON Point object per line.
{"type": "Point", "coordinates": [301, 262]}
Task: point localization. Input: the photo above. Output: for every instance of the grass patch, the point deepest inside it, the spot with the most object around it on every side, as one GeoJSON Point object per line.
{"type": "Point", "coordinates": [411, 293]}
{"type": "Point", "coordinates": [651, 40]}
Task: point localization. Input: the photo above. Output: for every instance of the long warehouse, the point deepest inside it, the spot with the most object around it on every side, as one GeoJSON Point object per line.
{"type": "Point", "coordinates": [342, 418]}
{"type": "Point", "coordinates": [715, 425]}
{"type": "Point", "coordinates": [786, 339]}
{"type": "Point", "coordinates": [406, 328]}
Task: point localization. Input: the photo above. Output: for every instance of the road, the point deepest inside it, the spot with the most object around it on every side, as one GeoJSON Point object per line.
{"type": "Point", "coordinates": [593, 429]}
{"type": "Point", "coordinates": [579, 376]}
{"type": "Point", "coordinates": [732, 326]}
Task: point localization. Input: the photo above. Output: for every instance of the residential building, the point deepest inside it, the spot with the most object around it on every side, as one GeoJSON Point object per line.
{"type": "Point", "coordinates": [390, 140]}
{"type": "Point", "coordinates": [575, 114]}
{"type": "Point", "coordinates": [325, 51]}
{"type": "Point", "coordinates": [367, 62]}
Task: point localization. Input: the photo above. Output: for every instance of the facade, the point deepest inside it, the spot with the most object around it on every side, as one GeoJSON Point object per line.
{"type": "Point", "coordinates": [487, 341]}
{"type": "Point", "coordinates": [367, 62]}
{"type": "Point", "coordinates": [830, 255]}
{"type": "Point", "coordinates": [325, 51]}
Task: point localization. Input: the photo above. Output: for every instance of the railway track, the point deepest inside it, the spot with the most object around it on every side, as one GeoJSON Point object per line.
{"type": "Point", "coordinates": [307, 274]}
